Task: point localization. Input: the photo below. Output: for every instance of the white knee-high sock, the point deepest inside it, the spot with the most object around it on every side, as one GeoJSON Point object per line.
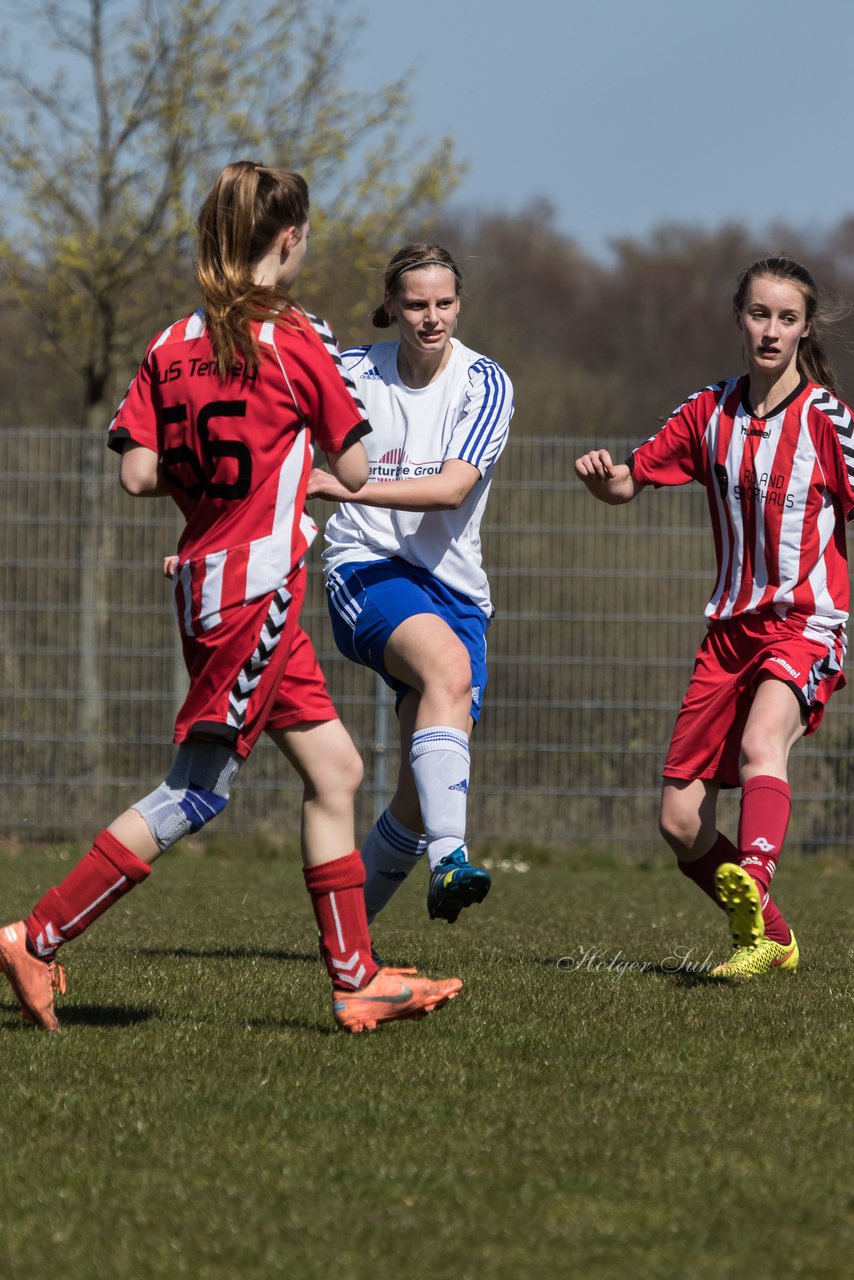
{"type": "Point", "coordinates": [390, 851]}
{"type": "Point", "coordinates": [440, 766]}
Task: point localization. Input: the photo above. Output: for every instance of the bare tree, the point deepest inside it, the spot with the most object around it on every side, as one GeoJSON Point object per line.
{"type": "Point", "coordinates": [110, 155]}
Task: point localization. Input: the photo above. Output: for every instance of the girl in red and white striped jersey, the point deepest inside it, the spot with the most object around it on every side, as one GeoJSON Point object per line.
{"type": "Point", "coordinates": [222, 417]}
{"type": "Point", "coordinates": [775, 452]}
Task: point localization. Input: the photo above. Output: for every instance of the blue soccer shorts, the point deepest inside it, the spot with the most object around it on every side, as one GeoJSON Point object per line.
{"type": "Point", "coordinates": [369, 600]}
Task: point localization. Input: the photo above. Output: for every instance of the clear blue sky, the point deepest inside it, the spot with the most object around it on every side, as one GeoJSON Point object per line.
{"type": "Point", "coordinates": [626, 114]}
{"type": "Point", "coordinates": [623, 113]}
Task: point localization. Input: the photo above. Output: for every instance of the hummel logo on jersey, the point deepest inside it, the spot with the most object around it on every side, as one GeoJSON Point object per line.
{"type": "Point", "coordinates": [791, 670]}
{"type": "Point", "coordinates": [761, 843]}
{"type": "Point", "coordinates": [372, 374]}
{"type": "Point", "coordinates": [462, 785]}
{"type": "Point", "coordinates": [756, 431]}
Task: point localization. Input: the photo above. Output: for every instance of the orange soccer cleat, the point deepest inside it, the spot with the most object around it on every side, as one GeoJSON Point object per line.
{"type": "Point", "coordinates": [392, 995]}
{"type": "Point", "coordinates": [32, 980]}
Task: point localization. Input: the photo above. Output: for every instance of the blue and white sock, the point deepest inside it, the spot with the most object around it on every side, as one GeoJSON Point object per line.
{"type": "Point", "coordinates": [390, 852]}
{"type": "Point", "coordinates": [441, 765]}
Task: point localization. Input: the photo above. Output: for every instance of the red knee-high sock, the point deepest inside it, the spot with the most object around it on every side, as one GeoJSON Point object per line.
{"type": "Point", "coordinates": [702, 870]}
{"type": "Point", "coordinates": [108, 871]}
{"type": "Point", "coordinates": [338, 898]}
{"type": "Point", "coordinates": [766, 804]}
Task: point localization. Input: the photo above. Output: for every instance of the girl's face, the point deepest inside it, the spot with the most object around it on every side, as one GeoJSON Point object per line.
{"type": "Point", "coordinates": [425, 305]}
{"type": "Point", "coordinates": [772, 321]}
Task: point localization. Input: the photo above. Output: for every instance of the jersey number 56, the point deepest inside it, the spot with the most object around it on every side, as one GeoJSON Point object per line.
{"type": "Point", "coordinates": [182, 467]}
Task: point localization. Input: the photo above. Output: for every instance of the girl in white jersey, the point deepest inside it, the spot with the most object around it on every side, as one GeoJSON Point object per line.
{"type": "Point", "coordinates": [407, 593]}
{"type": "Point", "coordinates": [774, 451]}
{"type": "Point", "coordinates": [221, 417]}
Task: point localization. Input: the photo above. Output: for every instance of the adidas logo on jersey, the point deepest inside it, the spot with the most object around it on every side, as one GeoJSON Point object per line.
{"type": "Point", "coordinates": [462, 785]}
{"type": "Point", "coordinates": [372, 374]}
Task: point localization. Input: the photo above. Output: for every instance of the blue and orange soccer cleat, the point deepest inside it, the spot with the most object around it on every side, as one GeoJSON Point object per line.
{"type": "Point", "coordinates": [392, 995]}
{"type": "Point", "coordinates": [33, 981]}
{"type": "Point", "coordinates": [455, 884]}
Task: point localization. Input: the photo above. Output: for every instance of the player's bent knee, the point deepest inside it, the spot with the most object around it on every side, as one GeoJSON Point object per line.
{"type": "Point", "coordinates": [679, 829]}
{"type": "Point", "coordinates": [760, 752]}
{"type": "Point", "coordinates": [342, 775]}
{"type": "Point", "coordinates": [194, 793]}
{"type": "Point", "coordinates": [352, 772]}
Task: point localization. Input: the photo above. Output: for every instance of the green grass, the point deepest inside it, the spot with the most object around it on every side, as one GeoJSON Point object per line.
{"type": "Point", "coordinates": [199, 1117]}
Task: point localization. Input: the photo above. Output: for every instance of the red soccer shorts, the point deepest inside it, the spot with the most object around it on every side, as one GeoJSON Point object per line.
{"type": "Point", "coordinates": [302, 696]}
{"type": "Point", "coordinates": [707, 735]}
{"type": "Point", "coordinates": [255, 670]}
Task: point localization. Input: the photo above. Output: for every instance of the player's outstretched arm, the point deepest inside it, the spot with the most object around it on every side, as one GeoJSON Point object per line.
{"type": "Point", "coordinates": [608, 481]}
{"type": "Point", "coordinates": [444, 491]}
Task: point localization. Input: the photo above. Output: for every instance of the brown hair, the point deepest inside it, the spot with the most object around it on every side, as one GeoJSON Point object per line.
{"type": "Point", "coordinates": [813, 362]}
{"type": "Point", "coordinates": [407, 259]}
{"type": "Point", "coordinates": [246, 208]}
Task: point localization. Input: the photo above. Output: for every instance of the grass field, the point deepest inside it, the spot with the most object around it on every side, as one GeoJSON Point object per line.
{"type": "Point", "coordinates": [590, 1106]}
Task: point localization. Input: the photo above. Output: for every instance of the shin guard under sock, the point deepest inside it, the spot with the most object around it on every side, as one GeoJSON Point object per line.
{"type": "Point", "coordinates": [107, 872]}
{"type": "Point", "coordinates": [337, 896]}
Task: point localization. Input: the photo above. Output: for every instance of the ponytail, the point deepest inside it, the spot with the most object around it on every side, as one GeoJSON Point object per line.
{"type": "Point", "coordinates": [244, 211]}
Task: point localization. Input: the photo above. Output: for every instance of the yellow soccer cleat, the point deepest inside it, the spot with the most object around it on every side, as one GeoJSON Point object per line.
{"type": "Point", "coordinates": [738, 893]}
{"type": "Point", "coordinates": [392, 995]}
{"type": "Point", "coordinates": [754, 961]}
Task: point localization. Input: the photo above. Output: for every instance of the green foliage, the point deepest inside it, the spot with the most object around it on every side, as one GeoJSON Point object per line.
{"type": "Point", "coordinates": [610, 1113]}
{"type": "Point", "coordinates": [110, 159]}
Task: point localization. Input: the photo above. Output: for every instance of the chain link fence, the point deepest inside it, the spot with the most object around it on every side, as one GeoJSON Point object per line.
{"type": "Point", "coordinates": [598, 618]}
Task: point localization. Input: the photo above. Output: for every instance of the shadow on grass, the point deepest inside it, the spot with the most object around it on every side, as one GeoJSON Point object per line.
{"type": "Point", "coordinates": [292, 1024]}
{"type": "Point", "coordinates": [223, 953]}
{"type": "Point", "coordinates": [85, 1015]}
{"type": "Point", "coordinates": [95, 1015]}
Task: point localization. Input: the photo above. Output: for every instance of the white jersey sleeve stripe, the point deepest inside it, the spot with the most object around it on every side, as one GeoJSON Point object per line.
{"type": "Point", "coordinates": [489, 415]}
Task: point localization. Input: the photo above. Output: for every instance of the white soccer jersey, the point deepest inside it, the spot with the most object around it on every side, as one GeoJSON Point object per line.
{"type": "Point", "coordinates": [465, 413]}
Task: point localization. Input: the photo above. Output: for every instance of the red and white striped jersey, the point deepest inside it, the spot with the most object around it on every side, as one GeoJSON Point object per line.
{"type": "Point", "coordinates": [236, 453]}
{"type": "Point", "coordinates": [779, 491]}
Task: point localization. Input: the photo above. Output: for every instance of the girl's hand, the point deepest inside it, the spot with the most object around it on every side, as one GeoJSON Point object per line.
{"type": "Point", "coordinates": [323, 485]}
{"type": "Point", "coordinates": [170, 564]}
{"type": "Point", "coordinates": [595, 465]}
